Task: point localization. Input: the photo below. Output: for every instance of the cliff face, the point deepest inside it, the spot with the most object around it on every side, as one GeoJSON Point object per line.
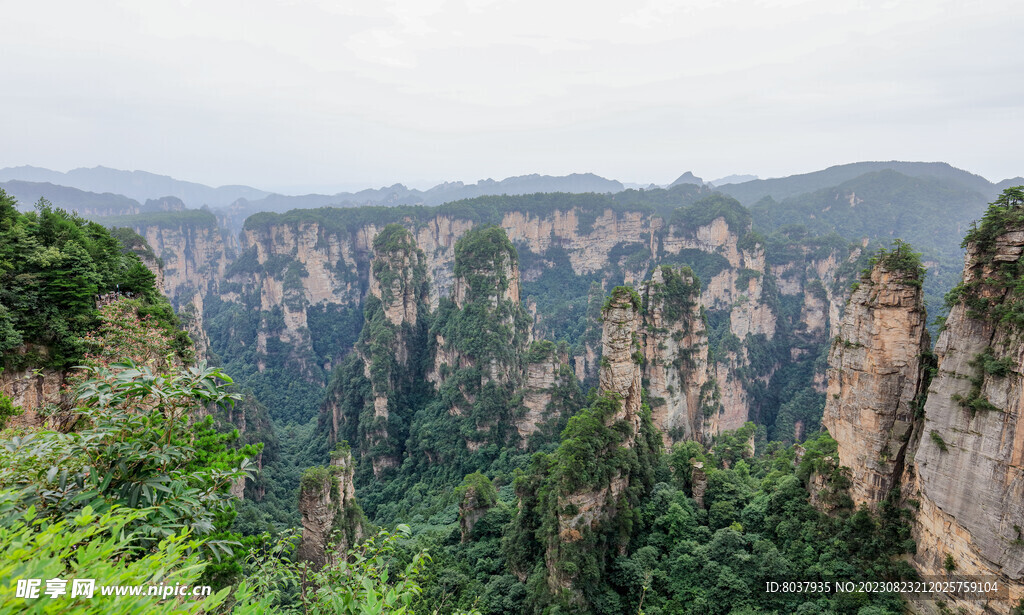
{"type": "Point", "coordinates": [334, 259]}
{"type": "Point", "coordinates": [293, 265]}
{"type": "Point", "coordinates": [32, 390]}
{"type": "Point", "coordinates": [549, 390]}
{"type": "Point", "coordinates": [587, 248]}
{"type": "Point", "coordinates": [194, 257]}
{"type": "Point", "coordinates": [967, 470]}
{"type": "Point", "coordinates": [329, 511]}
{"type": "Point", "coordinates": [874, 377]}
{"type": "Point", "coordinates": [679, 379]}
{"type": "Point", "coordinates": [193, 260]}
{"type": "Point", "coordinates": [962, 470]}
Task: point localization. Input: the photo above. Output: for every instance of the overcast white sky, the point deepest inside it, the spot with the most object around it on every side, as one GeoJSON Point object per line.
{"type": "Point", "coordinates": [315, 94]}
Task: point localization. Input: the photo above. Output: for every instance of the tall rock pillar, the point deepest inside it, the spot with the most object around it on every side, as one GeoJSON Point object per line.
{"type": "Point", "coordinates": [327, 502]}
{"type": "Point", "coordinates": [679, 380]}
{"type": "Point", "coordinates": [592, 481]}
{"type": "Point", "coordinates": [397, 299]}
{"type": "Point", "coordinates": [622, 355]}
{"type": "Point", "coordinates": [874, 376]}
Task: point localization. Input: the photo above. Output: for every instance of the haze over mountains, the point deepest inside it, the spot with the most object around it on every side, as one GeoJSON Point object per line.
{"type": "Point", "coordinates": [929, 204]}
{"type": "Point", "coordinates": [93, 190]}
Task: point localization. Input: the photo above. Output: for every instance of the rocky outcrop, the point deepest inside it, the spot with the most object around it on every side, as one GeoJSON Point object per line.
{"type": "Point", "coordinates": [967, 468]}
{"type": "Point", "coordinates": [476, 496]}
{"type": "Point", "coordinates": [330, 514]}
{"type": "Point", "coordinates": [621, 356]}
{"type": "Point", "coordinates": [33, 391]}
{"type": "Point", "coordinates": [582, 509]}
{"type": "Point", "coordinates": [679, 379]}
{"type": "Point", "coordinates": [484, 326]}
{"type": "Point", "coordinates": [874, 377]}
{"type": "Point", "coordinates": [590, 484]}
{"type": "Point", "coordinates": [548, 375]}
{"type": "Point", "coordinates": [699, 481]}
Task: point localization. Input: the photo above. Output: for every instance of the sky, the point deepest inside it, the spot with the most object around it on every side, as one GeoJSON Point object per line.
{"type": "Point", "coordinates": [296, 95]}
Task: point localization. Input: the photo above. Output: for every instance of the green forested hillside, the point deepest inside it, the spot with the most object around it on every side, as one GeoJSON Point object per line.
{"type": "Point", "coordinates": [782, 188]}
{"type": "Point", "coordinates": [53, 265]}
{"type": "Point", "coordinates": [929, 212]}
{"type": "Point", "coordinates": [125, 476]}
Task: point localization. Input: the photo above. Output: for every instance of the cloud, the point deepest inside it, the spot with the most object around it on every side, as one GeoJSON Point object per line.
{"type": "Point", "coordinates": [325, 91]}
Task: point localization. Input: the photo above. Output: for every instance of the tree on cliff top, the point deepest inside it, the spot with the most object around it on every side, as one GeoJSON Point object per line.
{"type": "Point", "coordinates": [1003, 213]}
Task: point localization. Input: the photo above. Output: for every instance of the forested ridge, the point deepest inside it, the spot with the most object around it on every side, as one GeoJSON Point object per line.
{"type": "Point", "coordinates": [429, 418]}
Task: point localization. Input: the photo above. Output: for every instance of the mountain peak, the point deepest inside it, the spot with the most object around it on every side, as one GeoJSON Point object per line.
{"type": "Point", "coordinates": [687, 178]}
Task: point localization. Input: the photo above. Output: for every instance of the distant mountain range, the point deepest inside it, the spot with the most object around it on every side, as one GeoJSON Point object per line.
{"type": "Point", "coordinates": [733, 179]}
{"type": "Point", "coordinates": [781, 188]}
{"type": "Point", "coordinates": [102, 191]}
{"type": "Point", "coordinates": [399, 194]}
{"type": "Point", "coordinates": [88, 204]}
{"type": "Point", "coordinates": [138, 185]}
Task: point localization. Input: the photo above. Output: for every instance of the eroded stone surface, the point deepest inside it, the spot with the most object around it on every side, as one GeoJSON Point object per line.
{"type": "Point", "coordinates": [873, 378]}
{"type": "Point", "coordinates": [676, 357]}
{"type": "Point", "coordinates": [320, 506]}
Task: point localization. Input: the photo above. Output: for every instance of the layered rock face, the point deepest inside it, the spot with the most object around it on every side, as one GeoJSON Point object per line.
{"type": "Point", "coordinates": [874, 376]}
{"type": "Point", "coordinates": [31, 390]}
{"type": "Point", "coordinates": [548, 375]}
{"type": "Point", "coordinates": [679, 379]}
{"type": "Point", "coordinates": [967, 470]}
{"type": "Point", "coordinates": [580, 512]}
{"type": "Point", "coordinates": [621, 356]}
{"type": "Point", "coordinates": [329, 511]}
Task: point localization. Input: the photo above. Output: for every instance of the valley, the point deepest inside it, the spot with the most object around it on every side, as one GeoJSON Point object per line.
{"type": "Point", "coordinates": [606, 401]}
